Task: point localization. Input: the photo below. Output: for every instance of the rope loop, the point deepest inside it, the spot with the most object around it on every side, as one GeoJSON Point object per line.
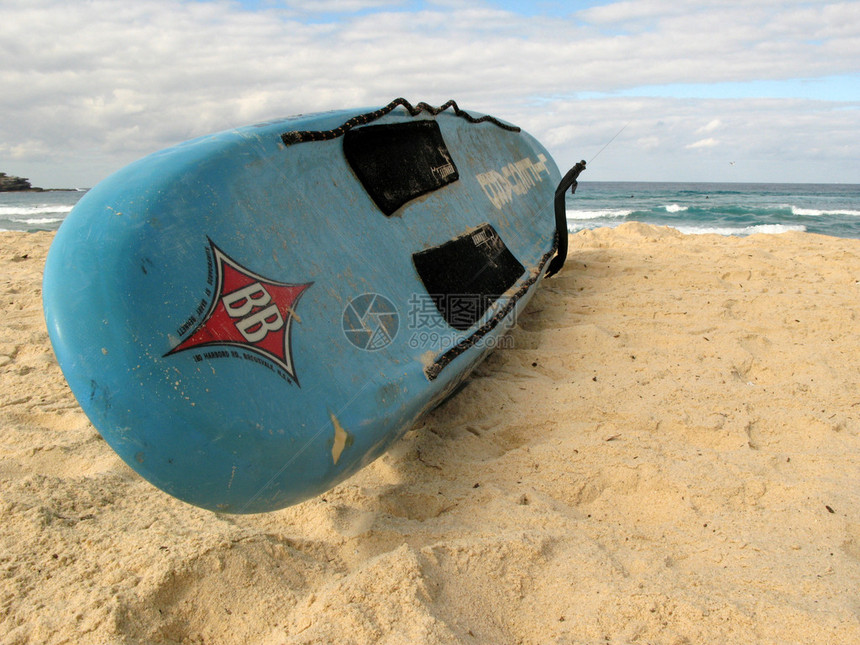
{"type": "Point", "coordinates": [302, 136]}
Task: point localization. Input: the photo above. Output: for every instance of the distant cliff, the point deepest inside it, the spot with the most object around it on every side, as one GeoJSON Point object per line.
{"type": "Point", "coordinates": [8, 183]}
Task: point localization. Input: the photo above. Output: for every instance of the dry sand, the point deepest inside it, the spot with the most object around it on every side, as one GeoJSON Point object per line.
{"type": "Point", "coordinates": [670, 453]}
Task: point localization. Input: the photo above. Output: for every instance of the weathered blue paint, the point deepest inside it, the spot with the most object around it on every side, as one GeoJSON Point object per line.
{"type": "Point", "coordinates": [132, 273]}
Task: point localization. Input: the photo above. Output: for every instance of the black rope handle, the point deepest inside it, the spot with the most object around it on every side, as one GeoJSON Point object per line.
{"type": "Point", "coordinates": [568, 181]}
{"type": "Point", "coordinates": [301, 136]}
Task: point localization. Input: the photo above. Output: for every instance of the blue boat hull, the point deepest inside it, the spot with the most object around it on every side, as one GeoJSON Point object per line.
{"type": "Point", "coordinates": [250, 317]}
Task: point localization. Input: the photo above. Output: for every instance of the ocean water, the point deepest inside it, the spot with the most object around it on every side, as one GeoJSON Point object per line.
{"type": "Point", "coordinates": [36, 211]}
{"type": "Point", "coordinates": [725, 209]}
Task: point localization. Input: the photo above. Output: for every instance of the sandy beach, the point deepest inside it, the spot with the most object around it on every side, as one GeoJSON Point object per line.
{"type": "Point", "coordinates": [669, 452]}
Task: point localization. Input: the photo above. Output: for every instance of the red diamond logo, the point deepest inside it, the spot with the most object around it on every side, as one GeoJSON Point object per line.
{"type": "Point", "coordinates": [250, 312]}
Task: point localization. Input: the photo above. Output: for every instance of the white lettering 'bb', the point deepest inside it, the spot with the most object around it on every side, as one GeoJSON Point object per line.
{"type": "Point", "coordinates": [239, 303]}
{"type": "Point", "coordinates": [254, 328]}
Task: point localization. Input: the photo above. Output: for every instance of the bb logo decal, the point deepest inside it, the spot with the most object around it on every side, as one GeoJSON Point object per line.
{"type": "Point", "coordinates": [249, 312]}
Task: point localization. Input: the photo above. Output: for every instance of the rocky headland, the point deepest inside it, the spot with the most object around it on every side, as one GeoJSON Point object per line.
{"type": "Point", "coordinates": [10, 183]}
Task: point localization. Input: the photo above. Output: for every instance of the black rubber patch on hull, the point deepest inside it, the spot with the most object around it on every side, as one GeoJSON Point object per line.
{"type": "Point", "coordinates": [466, 275]}
{"type": "Point", "coordinates": [400, 161]}
{"type": "Point", "coordinates": [443, 360]}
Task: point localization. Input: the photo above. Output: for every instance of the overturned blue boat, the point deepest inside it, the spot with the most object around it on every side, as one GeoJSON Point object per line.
{"type": "Point", "coordinates": [250, 317]}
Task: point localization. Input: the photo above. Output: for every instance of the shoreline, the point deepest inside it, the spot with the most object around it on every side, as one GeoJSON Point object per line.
{"type": "Point", "coordinates": [36, 189]}
{"type": "Point", "coordinates": [667, 451]}
{"type": "Point", "coordinates": [15, 184]}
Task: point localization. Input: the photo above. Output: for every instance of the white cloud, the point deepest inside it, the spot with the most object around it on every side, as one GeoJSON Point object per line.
{"type": "Point", "coordinates": [338, 6]}
{"type": "Point", "coordinates": [712, 125]}
{"type": "Point", "coordinates": [776, 139]}
{"type": "Point", "coordinates": [90, 86]}
{"type": "Point", "coordinates": [710, 142]}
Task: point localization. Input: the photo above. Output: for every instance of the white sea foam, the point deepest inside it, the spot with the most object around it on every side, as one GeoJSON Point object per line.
{"type": "Point", "coordinates": [772, 229]}
{"type": "Point", "coordinates": [675, 208]}
{"type": "Point", "coordinates": [611, 213]}
{"type": "Point", "coordinates": [740, 231]}
{"type": "Point", "coordinates": [36, 220]}
{"type": "Point", "coordinates": [26, 211]}
{"type": "Point", "coordinates": [815, 212]}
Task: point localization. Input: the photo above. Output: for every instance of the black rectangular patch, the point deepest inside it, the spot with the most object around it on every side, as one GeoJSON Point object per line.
{"type": "Point", "coordinates": [466, 275]}
{"type": "Point", "coordinates": [398, 162]}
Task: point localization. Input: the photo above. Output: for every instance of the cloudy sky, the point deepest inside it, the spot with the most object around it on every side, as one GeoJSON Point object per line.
{"type": "Point", "coordinates": [771, 85]}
